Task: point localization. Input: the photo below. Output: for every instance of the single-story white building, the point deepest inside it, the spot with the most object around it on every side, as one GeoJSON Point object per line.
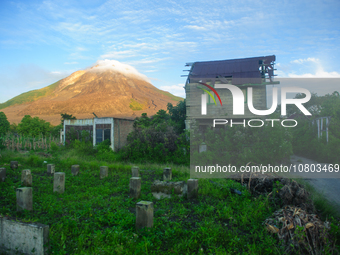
{"type": "Point", "coordinates": [114, 129]}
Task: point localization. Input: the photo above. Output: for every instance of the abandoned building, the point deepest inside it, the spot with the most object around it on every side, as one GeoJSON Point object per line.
{"type": "Point", "coordinates": [256, 72]}
{"type": "Point", "coordinates": [114, 129]}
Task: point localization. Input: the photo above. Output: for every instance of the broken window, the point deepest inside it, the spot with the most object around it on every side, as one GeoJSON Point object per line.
{"type": "Point", "coordinates": [102, 135]}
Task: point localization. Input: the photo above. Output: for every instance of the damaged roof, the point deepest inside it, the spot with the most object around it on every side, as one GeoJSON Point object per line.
{"type": "Point", "coordinates": [256, 70]}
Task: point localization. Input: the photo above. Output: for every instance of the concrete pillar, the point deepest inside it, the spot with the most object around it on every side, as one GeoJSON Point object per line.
{"type": "Point", "coordinates": [104, 172]}
{"type": "Point", "coordinates": [135, 171]}
{"type": "Point", "coordinates": [75, 169]}
{"type": "Point", "coordinates": [144, 214]}
{"type": "Point", "coordinates": [2, 174]}
{"type": "Point", "coordinates": [192, 188]}
{"type": "Point", "coordinates": [167, 174]}
{"type": "Point", "coordinates": [50, 168]}
{"type": "Point", "coordinates": [14, 164]}
{"type": "Point", "coordinates": [135, 187]}
{"type": "Point", "coordinates": [26, 178]}
{"type": "Point", "coordinates": [59, 182]}
{"type": "Point", "coordinates": [24, 199]}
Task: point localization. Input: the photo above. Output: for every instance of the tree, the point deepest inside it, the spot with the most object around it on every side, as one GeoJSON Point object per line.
{"type": "Point", "coordinates": [33, 126]}
{"type": "Point", "coordinates": [65, 116]}
{"type": "Point", "coordinates": [13, 128]}
{"type": "Point", "coordinates": [4, 124]}
{"type": "Point", "coordinates": [178, 115]}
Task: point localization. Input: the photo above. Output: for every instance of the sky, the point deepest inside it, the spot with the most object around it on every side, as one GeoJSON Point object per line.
{"type": "Point", "coordinates": [42, 42]}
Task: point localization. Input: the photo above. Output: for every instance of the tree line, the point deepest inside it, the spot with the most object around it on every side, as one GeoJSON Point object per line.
{"type": "Point", "coordinates": [32, 126]}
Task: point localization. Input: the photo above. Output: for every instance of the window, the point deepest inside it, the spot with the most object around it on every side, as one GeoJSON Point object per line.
{"type": "Point", "coordinates": [107, 134]}
{"type": "Point", "coordinates": [102, 135]}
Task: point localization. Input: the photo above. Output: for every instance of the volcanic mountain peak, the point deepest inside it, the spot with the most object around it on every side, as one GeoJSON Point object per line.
{"type": "Point", "coordinates": [116, 66]}
{"type": "Point", "coordinates": [103, 69]}
{"type": "Point", "coordinates": [109, 89]}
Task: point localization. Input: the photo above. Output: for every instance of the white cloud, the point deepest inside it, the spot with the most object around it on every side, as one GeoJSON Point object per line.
{"type": "Point", "coordinates": [320, 73]}
{"type": "Point", "coordinates": [114, 65]}
{"type": "Point", "coordinates": [81, 49]}
{"type": "Point", "coordinates": [194, 27]}
{"type": "Point", "coordinates": [177, 90]}
{"type": "Point", "coordinates": [301, 61]}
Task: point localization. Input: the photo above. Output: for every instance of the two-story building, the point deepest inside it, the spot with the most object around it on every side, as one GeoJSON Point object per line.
{"type": "Point", "coordinates": [256, 72]}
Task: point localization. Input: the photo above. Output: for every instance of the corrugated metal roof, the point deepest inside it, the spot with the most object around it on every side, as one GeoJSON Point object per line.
{"type": "Point", "coordinates": [242, 71]}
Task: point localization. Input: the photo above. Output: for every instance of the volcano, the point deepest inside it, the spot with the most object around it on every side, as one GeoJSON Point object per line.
{"type": "Point", "coordinates": [104, 90]}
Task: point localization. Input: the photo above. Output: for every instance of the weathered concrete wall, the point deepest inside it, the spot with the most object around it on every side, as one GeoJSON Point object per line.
{"type": "Point", "coordinates": [122, 128]}
{"type": "Point", "coordinates": [27, 238]}
{"type": "Point", "coordinates": [78, 129]}
{"type": "Point", "coordinates": [193, 99]}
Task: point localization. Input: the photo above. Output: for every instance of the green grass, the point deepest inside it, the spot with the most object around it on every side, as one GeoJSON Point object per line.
{"type": "Point", "coordinates": [96, 216]}
{"type": "Point", "coordinates": [30, 96]}
{"type": "Point", "coordinates": [135, 106]}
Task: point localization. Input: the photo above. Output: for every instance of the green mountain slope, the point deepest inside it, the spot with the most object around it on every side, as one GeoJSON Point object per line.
{"type": "Point", "coordinates": [166, 93]}
{"type": "Point", "coordinates": [30, 96]}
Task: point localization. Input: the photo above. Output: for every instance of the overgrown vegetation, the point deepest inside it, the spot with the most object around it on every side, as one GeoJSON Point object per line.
{"type": "Point", "coordinates": [160, 138]}
{"type": "Point", "coordinates": [305, 137]}
{"type": "Point", "coordinates": [239, 145]}
{"type": "Point", "coordinates": [96, 216]}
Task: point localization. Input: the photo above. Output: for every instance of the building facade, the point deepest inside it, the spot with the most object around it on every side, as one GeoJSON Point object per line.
{"type": "Point", "coordinates": [100, 129]}
{"type": "Point", "coordinates": [257, 73]}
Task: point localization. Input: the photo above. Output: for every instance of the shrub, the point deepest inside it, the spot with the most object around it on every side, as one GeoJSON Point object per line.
{"type": "Point", "coordinates": [34, 161]}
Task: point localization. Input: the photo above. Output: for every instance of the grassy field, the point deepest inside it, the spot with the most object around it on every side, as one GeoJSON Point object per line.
{"type": "Point", "coordinates": [96, 216]}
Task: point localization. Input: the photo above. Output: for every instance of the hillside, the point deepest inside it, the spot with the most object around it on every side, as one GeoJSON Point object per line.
{"type": "Point", "coordinates": [108, 92]}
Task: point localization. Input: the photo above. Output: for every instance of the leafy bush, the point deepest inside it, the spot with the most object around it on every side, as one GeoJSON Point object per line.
{"type": "Point", "coordinates": [33, 126]}
{"type": "Point", "coordinates": [54, 146]}
{"type": "Point", "coordinates": [4, 124]}
{"type": "Point", "coordinates": [83, 147]}
{"type": "Point", "coordinates": [34, 161]}
{"type": "Point", "coordinates": [104, 146]}
{"type": "Point", "coordinates": [305, 137]}
{"type": "Point", "coordinates": [160, 138]}
{"type": "Point", "coordinates": [239, 145]}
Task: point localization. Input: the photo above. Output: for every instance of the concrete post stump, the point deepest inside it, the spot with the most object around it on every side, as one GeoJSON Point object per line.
{"type": "Point", "coordinates": [135, 171]}
{"type": "Point", "coordinates": [26, 178]}
{"type": "Point", "coordinates": [104, 172]}
{"type": "Point", "coordinates": [2, 174]}
{"type": "Point", "coordinates": [14, 165]}
{"type": "Point", "coordinates": [50, 168]}
{"type": "Point", "coordinates": [59, 182]}
{"type": "Point", "coordinates": [167, 174]}
{"type": "Point", "coordinates": [192, 188]}
{"type": "Point", "coordinates": [24, 199]}
{"type": "Point", "coordinates": [144, 214]}
{"type": "Point", "coordinates": [75, 169]}
{"type": "Point", "coordinates": [135, 187]}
